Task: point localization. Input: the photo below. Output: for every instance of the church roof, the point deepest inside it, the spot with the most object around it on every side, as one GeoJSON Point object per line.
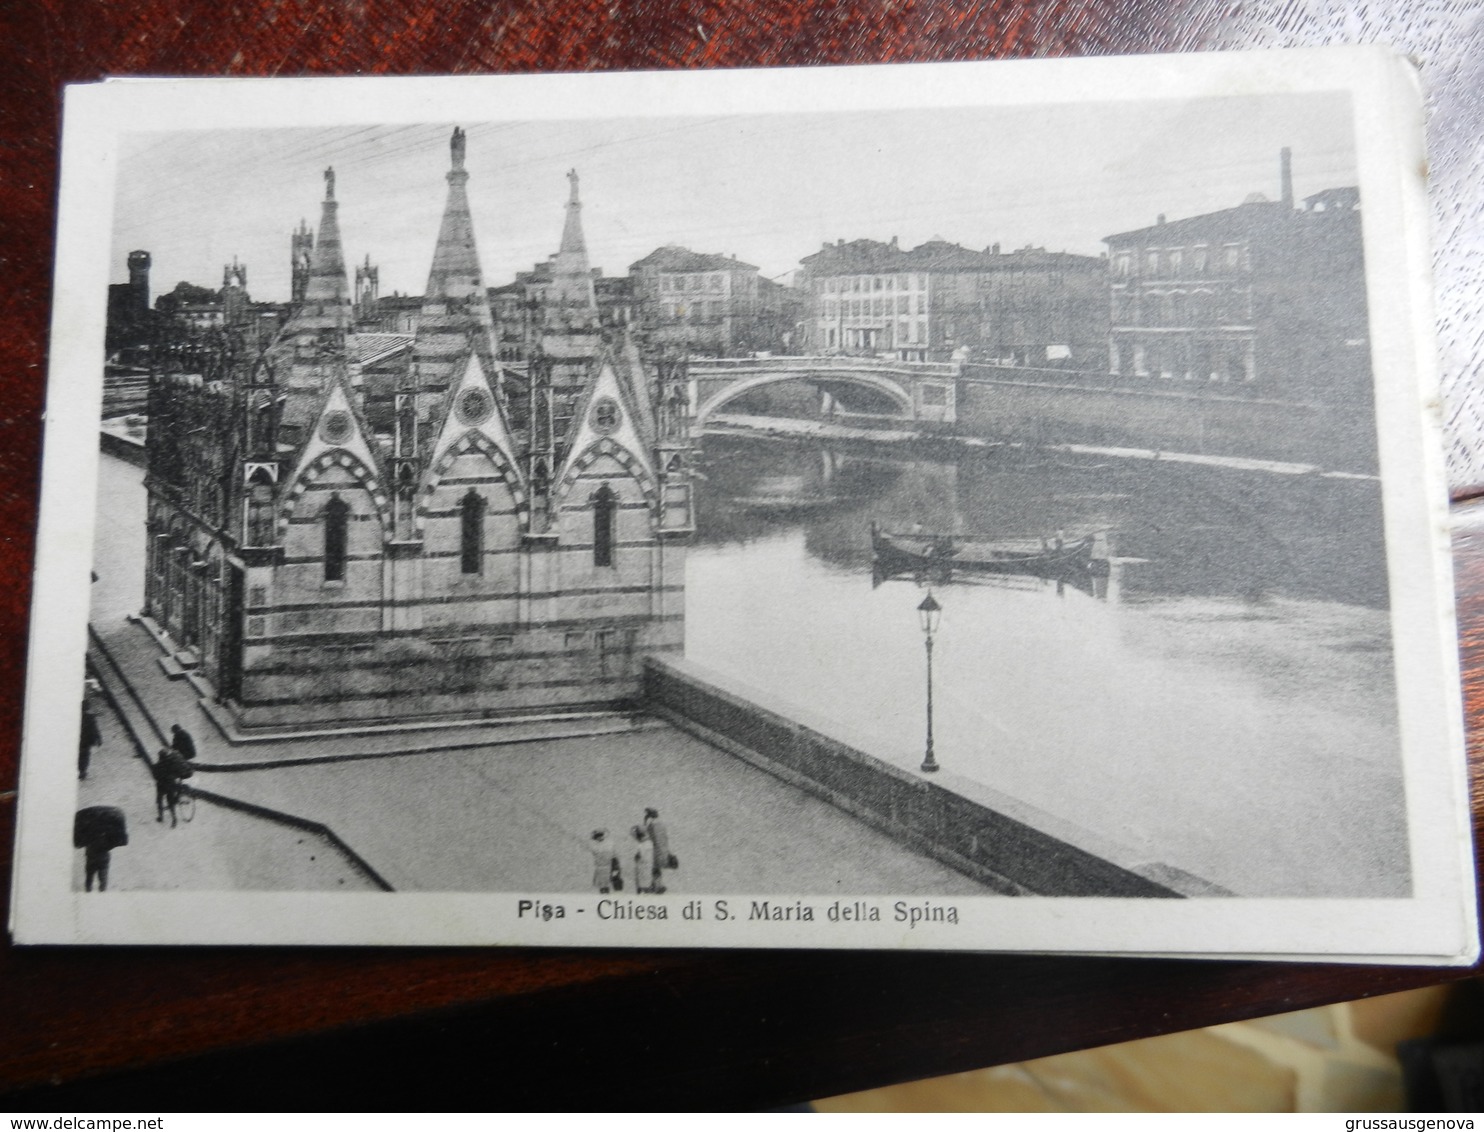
{"type": "Point", "coordinates": [368, 348]}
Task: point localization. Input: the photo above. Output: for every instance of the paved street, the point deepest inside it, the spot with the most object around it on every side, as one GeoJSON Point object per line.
{"type": "Point", "coordinates": [502, 817]}
{"type": "Point", "coordinates": [518, 817]}
{"type": "Point", "coordinates": [220, 849]}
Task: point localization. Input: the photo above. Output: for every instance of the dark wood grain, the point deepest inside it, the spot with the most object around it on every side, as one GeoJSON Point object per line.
{"type": "Point", "coordinates": [238, 1028]}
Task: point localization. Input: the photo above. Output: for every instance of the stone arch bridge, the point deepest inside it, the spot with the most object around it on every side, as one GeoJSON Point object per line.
{"type": "Point", "coordinates": [911, 391]}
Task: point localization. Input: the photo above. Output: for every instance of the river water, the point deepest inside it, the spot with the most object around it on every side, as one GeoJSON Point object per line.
{"type": "Point", "coordinates": [1223, 704]}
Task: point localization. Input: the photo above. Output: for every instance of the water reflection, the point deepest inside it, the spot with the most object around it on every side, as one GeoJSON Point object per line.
{"type": "Point", "coordinates": [1191, 530]}
{"type": "Point", "coordinates": [1223, 700]}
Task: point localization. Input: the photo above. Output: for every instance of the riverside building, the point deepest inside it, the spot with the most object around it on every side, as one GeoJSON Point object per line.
{"type": "Point", "coordinates": [1264, 299]}
{"type": "Point", "coordinates": [938, 300]}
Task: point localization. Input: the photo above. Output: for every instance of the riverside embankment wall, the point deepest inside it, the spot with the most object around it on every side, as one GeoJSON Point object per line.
{"type": "Point", "coordinates": [1334, 437]}
{"type": "Point", "coordinates": [1003, 852]}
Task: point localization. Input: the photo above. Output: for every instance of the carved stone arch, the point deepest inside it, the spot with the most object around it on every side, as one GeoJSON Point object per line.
{"type": "Point", "coordinates": [607, 446]}
{"type": "Point", "coordinates": [477, 442]}
{"type": "Point", "coordinates": [363, 475]}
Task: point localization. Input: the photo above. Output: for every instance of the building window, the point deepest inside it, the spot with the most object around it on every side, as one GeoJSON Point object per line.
{"type": "Point", "coordinates": [1151, 263]}
{"type": "Point", "coordinates": [471, 533]}
{"type": "Point", "coordinates": [337, 519]}
{"type": "Point", "coordinates": [1120, 264]}
{"type": "Point", "coordinates": [604, 504]}
{"type": "Point", "coordinates": [1198, 260]}
{"type": "Point", "coordinates": [260, 515]}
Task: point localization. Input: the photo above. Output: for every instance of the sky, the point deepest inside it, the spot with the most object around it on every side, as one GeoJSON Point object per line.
{"type": "Point", "coordinates": [768, 189]}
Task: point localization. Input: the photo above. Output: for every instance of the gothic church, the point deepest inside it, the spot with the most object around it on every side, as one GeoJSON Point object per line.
{"type": "Point", "coordinates": [351, 528]}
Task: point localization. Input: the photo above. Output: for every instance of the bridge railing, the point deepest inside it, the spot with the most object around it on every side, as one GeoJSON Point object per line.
{"type": "Point", "coordinates": [813, 363]}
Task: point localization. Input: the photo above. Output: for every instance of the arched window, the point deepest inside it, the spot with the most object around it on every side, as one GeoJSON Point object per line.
{"type": "Point", "coordinates": [262, 427]}
{"type": "Point", "coordinates": [604, 503]}
{"type": "Point", "coordinates": [471, 532]}
{"type": "Point", "coordinates": [259, 511]}
{"type": "Point", "coordinates": [337, 518]}
{"type": "Point", "coordinates": [403, 507]}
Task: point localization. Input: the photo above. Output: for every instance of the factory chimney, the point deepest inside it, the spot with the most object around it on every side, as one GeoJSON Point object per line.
{"type": "Point", "coordinates": [1285, 159]}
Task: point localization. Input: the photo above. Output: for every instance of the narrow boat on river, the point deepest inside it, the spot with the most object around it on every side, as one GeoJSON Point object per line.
{"type": "Point", "coordinates": [1046, 558]}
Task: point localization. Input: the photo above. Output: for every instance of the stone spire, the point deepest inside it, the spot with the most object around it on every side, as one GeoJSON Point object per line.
{"type": "Point", "coordinates": [456, 313]}
{"type": "Point", "coordinates": [455, 271]}
{"type": "Point", "coordinates": [326, 283]}
{"type": "Point", "coordinates": [572, 278]}
{"type": "Point", "coordinates": [310, 355]}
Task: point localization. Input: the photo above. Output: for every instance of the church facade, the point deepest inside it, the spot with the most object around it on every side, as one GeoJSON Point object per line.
{"type": "Point", "coordinates": [338, 536]}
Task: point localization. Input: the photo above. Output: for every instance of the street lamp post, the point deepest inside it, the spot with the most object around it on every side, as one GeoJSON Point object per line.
{"type": "Point", "coordinates": [927, 614]}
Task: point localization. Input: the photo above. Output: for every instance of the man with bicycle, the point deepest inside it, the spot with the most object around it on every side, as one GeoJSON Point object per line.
{"type": "Point", "coordinates": [170, 768]}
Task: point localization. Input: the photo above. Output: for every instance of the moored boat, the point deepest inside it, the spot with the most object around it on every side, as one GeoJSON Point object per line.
{"type": "Point", "coordinates": [1047, 558]}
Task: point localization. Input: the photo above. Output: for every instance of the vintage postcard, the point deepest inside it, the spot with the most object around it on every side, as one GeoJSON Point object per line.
{"type": "Point", "coordinates": [973, 506]}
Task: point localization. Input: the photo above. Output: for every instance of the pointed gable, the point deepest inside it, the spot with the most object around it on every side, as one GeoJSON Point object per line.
{"type": "Point", "coordinates": [339, 437]}
{"type": "Point", "coordinates": [607, 423]}
{"type": "Point", "coordinates": [474, 408]}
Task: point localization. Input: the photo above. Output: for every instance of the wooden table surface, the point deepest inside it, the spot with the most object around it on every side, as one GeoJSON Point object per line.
{"type": "Point", "coordinates": [236, 1028]}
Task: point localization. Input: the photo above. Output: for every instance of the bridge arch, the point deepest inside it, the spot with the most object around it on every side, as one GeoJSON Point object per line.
{"type": "Point", "coordinates": [734, 389]}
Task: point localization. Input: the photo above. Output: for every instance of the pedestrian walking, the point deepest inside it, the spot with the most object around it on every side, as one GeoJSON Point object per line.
{"type": "Point", "coordinates": [607, 876]}
{"type": "Point", "coordinates": [98, 831]}
{"type": "Point", "coordinates": [643, 860]}
{"type": "Point", "coordinates": [659, 837]}
{"type": "Point", "coordinates": [89, 738]}
{"type": "Point", "coordinates": [170, 769]}
{"type": "Point", "coordinates": [181, 741]}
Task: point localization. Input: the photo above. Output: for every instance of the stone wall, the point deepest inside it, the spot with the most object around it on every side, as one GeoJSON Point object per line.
{"type": "Point", "coordinates": [1334, 437]}
{"type": "Point", "coordinates": [1002, 852]}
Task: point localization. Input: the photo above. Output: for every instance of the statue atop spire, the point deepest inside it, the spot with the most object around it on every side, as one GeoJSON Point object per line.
{"type": "Point", "coordinates": [329, 182]}
{"type": "Point", "coordinates": [456, 146]}
{"type": "Point", "coordinates": [572, 278]}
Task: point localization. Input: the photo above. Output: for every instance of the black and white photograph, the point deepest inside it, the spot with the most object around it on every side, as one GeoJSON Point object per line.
{"type": "Point", "coordinates": [802, 509]}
